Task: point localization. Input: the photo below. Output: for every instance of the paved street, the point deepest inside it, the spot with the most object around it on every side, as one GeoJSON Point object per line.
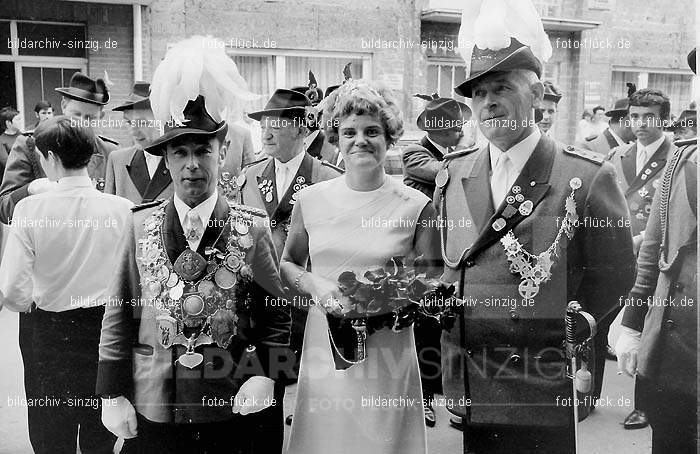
{"type": "Point", "coordinates": [600, 433]}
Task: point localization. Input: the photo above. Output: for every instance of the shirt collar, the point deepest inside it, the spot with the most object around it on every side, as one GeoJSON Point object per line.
{"type": "Point", "coordinates": [652, 147]}
{"type": "Point", "coordinates": [440, 148]}
{"type": "Point", "coordinates": [293, 164]}
{"type": "Point", "coordinates": [518, 153]}
{"type": "Point", "coordinates": [76, 181]}
{"type": "Point", "coordinates": [204, 209]}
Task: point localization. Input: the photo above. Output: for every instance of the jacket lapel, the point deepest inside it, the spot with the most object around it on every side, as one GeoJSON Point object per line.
{"type": "Point", "coordinates": [161, 179]}
{"type": "Point", "coordinates": [428, 145]}
{"type": "Point", "coordinates": [628, 162]}
{"type": "Point", "coordinates": [651, 168]}
{"type": "Point", "coordinates": [217, 222]}
{"type": "Point", "coordinates": [476, 186]}
{"type": "Point", "coordinates": [138, 172]}
{"type": "Point", "coordinates": [173, 236]}
{"type": "Point", "coordinates": [302, 178]}
{"type": "Point", "coordinates": [612, 142]}
{"type": "Point", "coordinates": [266, 185]}
{"type": "Point", "coordinates": [532, 183]}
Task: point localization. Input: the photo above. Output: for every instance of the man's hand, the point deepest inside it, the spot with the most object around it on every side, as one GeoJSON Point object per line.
{"type": "Point", "coordinates": [40, 185]}
{"type": "Point", "coordinates": [119, 417]}
{"type": "Point", "coordinates": [627, 348]}
{"type": "Point", "coordinates": [256, 394]}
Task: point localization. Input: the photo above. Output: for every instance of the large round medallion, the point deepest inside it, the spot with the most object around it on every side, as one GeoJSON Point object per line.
{"type": "Point", "coordinates": [232, 262]}
{"type": "Point", "coordinates": [190, 265]}
{"type": "Point", "coordinates": [241, 227]}
{"type": "Point", "coordinates": [193, 304]}
{"type": "Point", "coordinates": [206, 288]}
{"type": "Point", "coordinates": [225, 278]}
{"type": "Point", "coordinates": [245, 241]}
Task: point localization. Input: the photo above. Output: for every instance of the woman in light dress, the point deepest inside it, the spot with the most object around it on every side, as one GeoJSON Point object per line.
{"type": "Point", "coordinates": [357, 222]}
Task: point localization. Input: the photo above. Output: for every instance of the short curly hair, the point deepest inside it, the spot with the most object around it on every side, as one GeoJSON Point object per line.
{"type": "Point", "coordinates": [647, 97]}
{"type": "Point", "coordinates": [362, 97]}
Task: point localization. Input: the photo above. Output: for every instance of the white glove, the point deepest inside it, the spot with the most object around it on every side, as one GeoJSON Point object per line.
{"type": "Point", "coordinates": [256, 394]}
{"type": "Point", "coordinates": [627, 348]}
{"type": "Point", "coordinates": [40, 185]}
{"type": "Point", "coordinates": [119, 417]}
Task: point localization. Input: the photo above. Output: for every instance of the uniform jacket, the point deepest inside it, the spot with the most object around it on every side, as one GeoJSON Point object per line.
{"type": "Point", "coordinates": [23, 167]}
{"type": "Point", "coordinates": [127, 176]}
{"type": "Point", "coordinates": [133, 363]}
{"type": "Point", "coordinates": [259, 179]}
{"type": "Point", "coordinates": [240, 151]}
{"type": "Point", "coordinates": [602, 144]}
{"type": "Point", "coordinates": [667, 272]}
{"type": "Point", "coordinates": [639, 187]}
{"type": "Point", "coordinates": [6, 142]}
{"type": "Point", "coordinates": [421, 164]}
{"type": "Point", "coordinates": [513, 352]}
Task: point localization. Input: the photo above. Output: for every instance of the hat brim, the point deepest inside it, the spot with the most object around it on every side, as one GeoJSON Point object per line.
{"type": "Point", "coordinates": [157, 147]}
{"type": "Point", "coordinates": [616, 113]}
{"type": "Point", "coordinates": [466, 114]}
{"type": "Point", "coordinates": [518, 59]}
{"type": "Point", "coordinates": [81, 95]}
{"type": "Point", "coordinates": [554, 98]}
{"type": "Point", "coordinates": [140, 104]}
{"type": "Point", "coordinates": [277, 112]}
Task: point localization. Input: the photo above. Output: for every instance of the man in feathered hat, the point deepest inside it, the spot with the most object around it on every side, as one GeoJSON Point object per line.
{"type": "Point", "coordinates": [658, 343]}
{"type": "Point", "coordinates": [131, 172]}
{"type": "Point", "coordinates": [545, 224]}
{"type": "Point", "coordinates": [550, 103]}
{"type": "Point", "coordinates": [188, 345]}
{"type": "Point", "coordinates": [442, 120]}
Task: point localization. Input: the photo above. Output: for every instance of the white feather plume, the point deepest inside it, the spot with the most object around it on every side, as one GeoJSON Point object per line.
{"type": "Point", "coordinates": [198, 66]}
{"type": "Point", "coordinates": [489, 24]}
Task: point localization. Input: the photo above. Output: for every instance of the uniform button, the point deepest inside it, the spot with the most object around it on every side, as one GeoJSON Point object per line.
{"type": "Point", "coordinates": [470, 353]}
{"type": "Point", "coordinates": [513, 314]}
{"type": "Point", "coordinates": [515, 359]}
{"type": "Point", "coordinates": [669, 324]}
{"type": "Point", "coordinates": [196, 436]}
{"type": "Point", "coordinates": [469, 263]}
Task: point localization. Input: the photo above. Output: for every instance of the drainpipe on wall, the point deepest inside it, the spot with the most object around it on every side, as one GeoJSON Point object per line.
{"type": "Point", "coordinates": [138, 45]}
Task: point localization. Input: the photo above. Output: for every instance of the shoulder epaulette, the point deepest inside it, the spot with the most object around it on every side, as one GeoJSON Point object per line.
{"type": "Point", "coordinates": [462, 152]}
{"type": "Point", "coordinates": [610, 155]}
{"type": "Point", "coordinates": [591, 138]}
{"type": "Point", "coordinates": [585, 154]}
{"type": "Point", "coordinates": [147, 205]}
{"type": "Point", "coordinates": [336, 168]}
{"type": "Point", "coordinates": [254, 162]}
{"type": "Point", "coordinates": [684, 142]}
{"type": "Point", "coordinates": [248, 209]}
{"type": "Point", "coordinates": [107, 139]}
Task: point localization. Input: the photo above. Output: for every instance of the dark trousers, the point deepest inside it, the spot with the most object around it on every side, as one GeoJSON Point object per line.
{"type": "Point", "coordinates": [427, 334]}
{"type": "Point", "coordinates": [65, 351]}
{"type": "Point", "coordinates": [259, 433]}
{"type": "Point", "coordinates": [26, 344]}
{"type": "Point", "coordinates": [511, 440]}
{"type": "Point", "coordinates": [672, 416]}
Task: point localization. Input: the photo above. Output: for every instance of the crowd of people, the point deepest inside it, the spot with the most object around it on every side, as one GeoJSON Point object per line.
{"type": "Point", "coordinates": [181, 283]}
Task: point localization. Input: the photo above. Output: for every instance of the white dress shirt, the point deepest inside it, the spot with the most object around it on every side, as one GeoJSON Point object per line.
{"type": "Point", "coordinates": [61, 250]}
{"type": "Point", "coordinates": [518, 155]}
{"type": "Point", "coordinates": [203, 210]}
{"type": "Point", "coordinates": [284, 173]}
{"type": "Point", "coordinates": [152, 162]}
{"type": "Point", "coordinates": [645, 153]}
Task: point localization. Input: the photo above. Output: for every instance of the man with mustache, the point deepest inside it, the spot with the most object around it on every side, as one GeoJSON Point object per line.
{"type": "Point", "coordinates": [545, 224]}
{"type": "Point", "coordinates": [131, 172]}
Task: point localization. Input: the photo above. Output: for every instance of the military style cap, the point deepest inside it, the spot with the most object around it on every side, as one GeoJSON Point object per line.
{"type": "Point", "coordinates": [82, 88]}
{"type": "Point", "coordinates": [487, 61]}
{"type": "Point", "coordinates": [198, 122]}
{"type": "Point", "coordinates": [138, 98]}
{"type": "Point", "coordinates": [442, 113]}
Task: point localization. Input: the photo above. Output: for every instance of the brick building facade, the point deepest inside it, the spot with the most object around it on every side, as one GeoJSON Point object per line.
{"type": "Point", "coordinates": [408, 44]}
